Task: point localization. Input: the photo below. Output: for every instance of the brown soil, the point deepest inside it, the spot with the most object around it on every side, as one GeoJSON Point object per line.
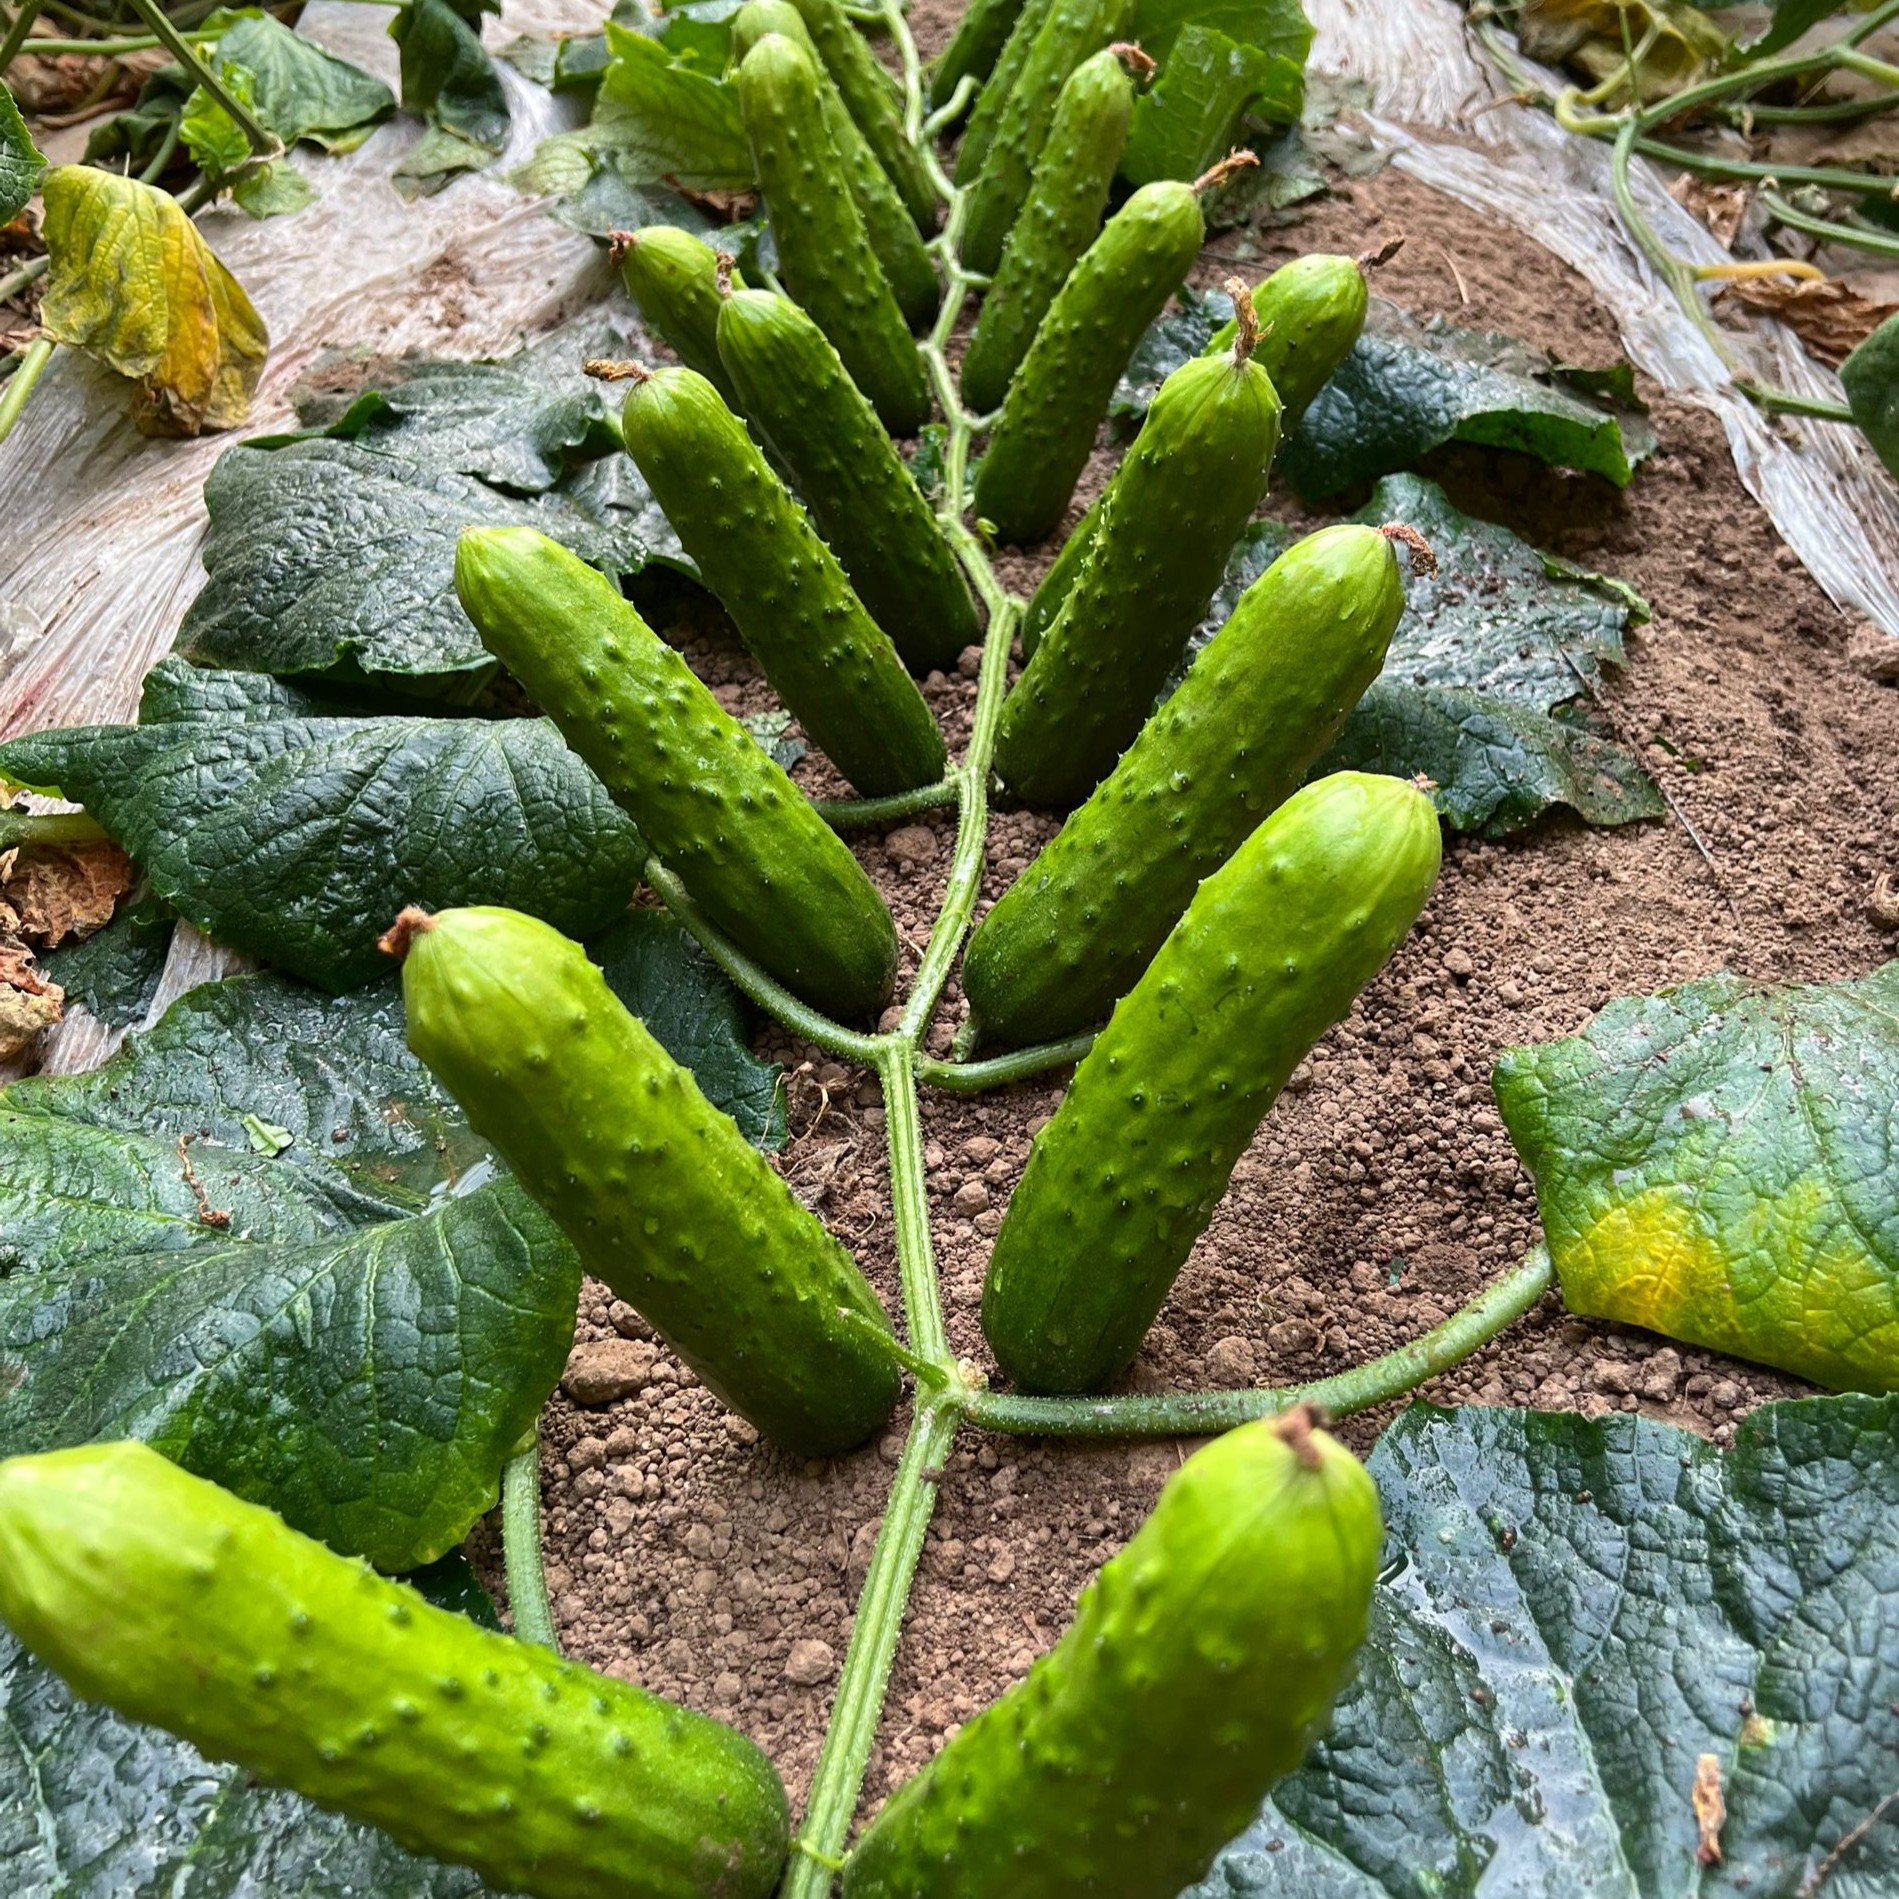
{"type": "Point", "coordinates": [1382, 1191]}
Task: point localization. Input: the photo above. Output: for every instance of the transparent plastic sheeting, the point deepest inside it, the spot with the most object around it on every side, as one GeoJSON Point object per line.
{"type": "Point", "coordinates": [1825, 490]}
{"type": "Point", "coordinates": [98, 555]}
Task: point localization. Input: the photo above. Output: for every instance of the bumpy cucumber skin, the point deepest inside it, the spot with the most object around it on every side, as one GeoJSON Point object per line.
{"type": "Point", "coordinates": [710, 800]}
{"type": "Point", "coordinates": [887, 222]}
{"type": "Point", "coordinates": [994, 97]}
{"type": "Point", "coordinates": [174, 1602]}
{"type": "Point", "coordinates": [1311, 310]}
{"type": "Point", "coordinates": [673, 277]}
{"type": "Point", "coordinates": [872, 101]}
{"type": "Point", "coordinates": [1258, 707]}
{"type": "Point", "coordinates": [1188, 485]}
{"type": "Point", "coordinates": [854, 482]}
{"type": "Point", "coordinates": [1310, 313]}
{"type": "Point", "coordinates": [979, 38]}
{"type": "Point", "coordinates": [1124, 1179]}
{"type": "Point", "coordinates": [1201, 1665]}
{"type": "Point", "coordinates": [664, 1199]}
{"type": "Point", "coordinates": [1059, 220]}
{"type": "Point", "coordinates": [1061, 391]}
{"type": "Point", "coordinates": [824, 254]}
{"type": "Point", "coordinates": [754, 547]}
{"type": "Point", "coordinates": [1073, 31]}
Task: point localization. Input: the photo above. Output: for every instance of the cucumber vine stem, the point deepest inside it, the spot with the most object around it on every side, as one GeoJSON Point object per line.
{"type": "Point", "coordinates": [521, 1547]}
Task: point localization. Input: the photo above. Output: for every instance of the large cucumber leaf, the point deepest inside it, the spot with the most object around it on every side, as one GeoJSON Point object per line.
{"type": "Point", "coordinates": [296, 835]}
{"type": "Point", "coordinates": [20, 161]}
{"type": "Point", "coordinates": [1572, 1616]}
{"type": "Point", "coordinates": [1480, 690]}
{"type": "Point", "coordinates": [1191, 116]}
{"type": "Point", "coordinates": [1717, 1163]}
{"type": "Point", "coordinates": [449, 80]}
{"type": "Point", "coordinates": [666, 117]}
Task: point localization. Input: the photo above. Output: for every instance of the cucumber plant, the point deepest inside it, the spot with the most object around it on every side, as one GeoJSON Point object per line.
{"type": "Point", "coordinates": [1193, 1713]}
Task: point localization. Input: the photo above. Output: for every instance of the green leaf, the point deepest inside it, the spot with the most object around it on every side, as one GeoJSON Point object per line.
{"type": "Point", "coordinates": [300, 91]}
{"type": "Point", "coordinates": [20, 162]}
{"type": "Point", "coordinates": [1276, 27]}
{"type": "Point", "coordinates": [1191, 116]}
{"type": "Point", "coordinates": [115, 971]}
{"type": "Point", "coordinates": [1500, 640]}
{"type": "Point", "coordinates": [133, 283]}
{"type": "Point", "coordinates": [339, 557]}
{"type": "Point", "coordinates": [1572, 1613]}
{"type": "Point", "coordinates": [599, 191]}
{"type": "Point", "coordinates": [1408, 388]}
{"type": "Point", "coordinates": [664, 120]}
{"type": "Point", "coordinates": [450, 1583]}
{"type": "Point", "coordinates": [1180, 333]}
{"type": "Point", "coordinates": [1716, 1163]}
{"type": "Point", "coordinates": [296, 835]}
{"type": "Point", "coordinates": [369, 1387]}
{"type": "Point", "coordinates": [449, 80]}
{"type": "Point", "coordinates": [1870, 377]}
{"type": "Point", "coordinates": [99, 1807]}
{"type": "Point", "coordinates": [215, 140]}
{"type": "Point", "coordinates": [1791, 18]}
{"type": "Point", "coordinates": [273, 190]}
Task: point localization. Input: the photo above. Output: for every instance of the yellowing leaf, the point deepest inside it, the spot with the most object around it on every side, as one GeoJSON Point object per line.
{"type": "Point", "coordinates": [134, 283]}
{"type": "Point", "coordinates": [1678, 43]}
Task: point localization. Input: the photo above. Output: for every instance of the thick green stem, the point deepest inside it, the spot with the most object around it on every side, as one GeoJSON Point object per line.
{"type": "Point", "coordinates": [20, 384]}
{"type": "Point", "coordinates": [1022, 1064]}
{"type": "Point", "coordinates": [1191, 1413]}
{"type": "Point", "coordinates": [848, 814]}
{"type": "Point", "coordinates": [108, 49]}
{"type": "Point", "coordinates": [865, 1677]}
{"type": "Point", "coordinates": [1880, 243]}
{"type": "Point", "coordinates": [521, 1549]}
{"type": "Point", "coordinates": [17, 32]}
{"type": "Point", "coordinates": [263, 142]}
{"type": "Point", "coordinates": [909, 1196]}
{"type": "Point", "coordinates": [28, 274]}
{"type": "Point", "coordinates": [51, 830]}
{"type": "Point", "coordinates": [1785, 402]}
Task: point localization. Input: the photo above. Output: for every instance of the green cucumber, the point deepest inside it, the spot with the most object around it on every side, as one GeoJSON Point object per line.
{"type": "Point", "coordinates": [831, 664]}
{"type": "Point", "coordinates": [1260, 704]}
{"type": "Point", "coordinates": [854, 482]}
{"type": "Point", "coordinates": [994, 98]}
{"type": "Point", "coordinates": [1201, 1665]}
{"type": "Point", "coordinates": [181, 1606]}
{"type": "Point", "coordinates": [824, 253]}
{"type": "Point", "coordinates": [1189, 484]}
{"type": "Point", "coordinates": [664, 1199]}
{"type": "Point", "coordinates": [1073, 30]}
{"type": "Point", "coordinates": [1310, 312]}
{"type": "Point", "coordinates": [1270, 954]}
{"type": "Point", "coordinates": [1060, 218]}
{"type": "Point", "coordinates": [887, 221]}
{"type": "Point", "coordinates": [1061, 392]}
{"type": "Point", "coordinates": [979, 37]}
{"type": "Point", "coordinates": [711, 801]}
{"type": "Point", "coordinates": [674, 278]}
{"type": "Point", "coordinates": [870, 94]}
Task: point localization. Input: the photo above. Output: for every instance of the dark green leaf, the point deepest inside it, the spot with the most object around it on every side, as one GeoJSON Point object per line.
{"type": "Point", "coordinates": [448, 79]}
{"type": "Point", "coordinates": [1179, 334]}
{"type": "Point", "coordinates": [598, 193]}
{"type": "Point", "coordinates": [20, 162]}
{"type": "Point", "coordinates": [1191, 116]}
{"type": "Point", "coordinates": [368, 1388]}
{"type": "Point", "coordinates": [769, 728]}
{"type": "Point", "coordinates": [664, 120]}
{"type": "Point", "coordinates": [297, 836]}
{"type": "Point", "coordinates": [451, 1583]}
{"type": "Point", "coordinates": [300, 91]}
{"type": "Point", "coordinates": [335, 557]}
{"type": "Point", "coordinates": [273, 190]}
{"type": "Point", "coordinates": [1871, 380]}
{"type": "Point", "coordinates": [1408, 388]}
{"type": "Point", "coordinates": [662, 975]}
{"type": "Point", "coordinates": [1278, 27]}
{"type": "Point", "coordinates": [1716, 1163]}
{"type": "Point", "coordinates": [1574, 1612]}
{"type": "Point", "coordinates": [96, 1807]}
{"type": "Point", "coordinates": [115, 971]}
{"type": "Point", "coordinates": [1791, 18]}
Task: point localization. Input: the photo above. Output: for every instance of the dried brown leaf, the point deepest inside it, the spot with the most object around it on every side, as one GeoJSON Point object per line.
{"type": "Point", "coordinates": [1721, 208]}
{"type": "Point", "coordinates": [66, 892]}
{"type": "Point", "coordinates": [1830, 318]}
{"type": "Point", "coordinates": [29, 1004]}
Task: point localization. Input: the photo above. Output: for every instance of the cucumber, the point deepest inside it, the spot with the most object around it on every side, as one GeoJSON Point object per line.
{"type": "Point", "coordinates": [1119, 1185]}
{"type": "Point", "coordinates": [830, 663]}
{"type": "Point", "coordinates": [179, 1605]}
{"type": "Point", "coordinates": [1188, 485]}
{"type": "Point", "coordinates": [674, 278]}
{"type": "Point", "coordinates": [1201, 1665]}
{"type": "Point", "coordinates": [1310, 312]}
{"type": "Point", "coordinates": [1258, 707]}
{"type": "Point", "coordinates": [981, 129]}
{"type": "Point", "coordinates": [870, 94]}
{"type": "Point", "coordinates": [972, 51]}
{"type": "Point", "coordinates": [1072, 31]}
{"type": "Point", "coordinates": [664, 1199]}
{"type": "Point", "coordinates": [887, 221]}
{"type": "Point", "coordinates": [824, 253]}
{"type": "Point", "coordinates": [854, 482]}
{"type": "Point", "coordinates": [1061, 392]}
{"type": "Point", "coordinates": [719, 811]}
{"type": "Point", "coordinates": [1059, 220]}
